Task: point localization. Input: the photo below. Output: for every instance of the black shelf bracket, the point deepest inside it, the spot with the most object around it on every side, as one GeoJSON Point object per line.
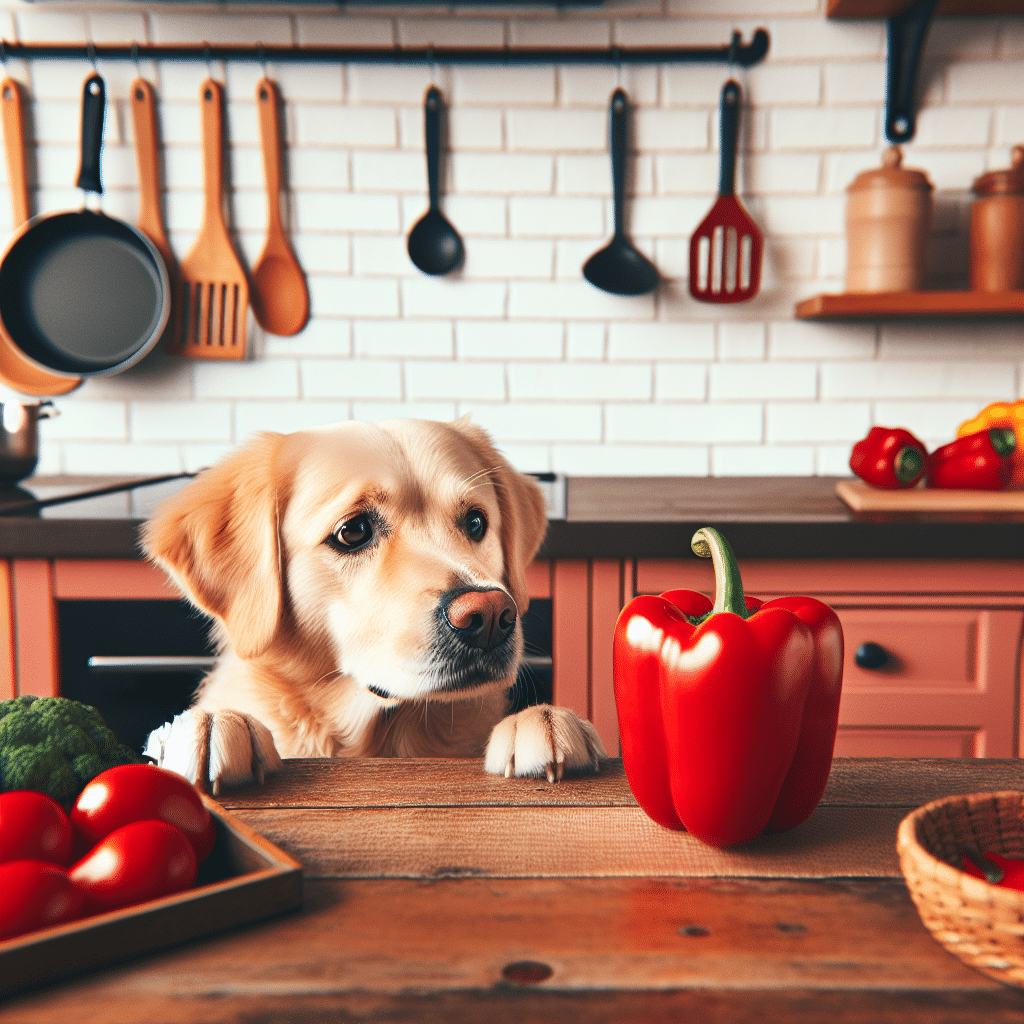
{"type": "Point", "coordinates": [735, 52]}
{"type": "Point", "coordinates": [905, 34]}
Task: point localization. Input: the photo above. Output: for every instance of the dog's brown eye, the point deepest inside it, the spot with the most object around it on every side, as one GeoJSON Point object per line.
{"type": "Point", "coordinates": [354, 533]}
{"type": "Point", "coordinates": [476, 524]}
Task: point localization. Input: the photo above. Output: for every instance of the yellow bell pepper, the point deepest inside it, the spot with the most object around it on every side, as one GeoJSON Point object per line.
{"type": "Point", "coordinates": [1002, 414]}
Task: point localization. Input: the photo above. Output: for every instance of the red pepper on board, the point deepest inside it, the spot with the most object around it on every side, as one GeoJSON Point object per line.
{"type": "Point", "coordinates": [889, 457]}
{"type": "Point", "coordinates": [980, 461]}
{"type": "Point", "coordinates": [727, 711]}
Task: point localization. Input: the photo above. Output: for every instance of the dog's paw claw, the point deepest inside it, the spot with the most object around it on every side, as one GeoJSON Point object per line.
{"type": "Point", "coordinates": [214, 750]}
{"type": "Point", "coordinates": [543, 741]}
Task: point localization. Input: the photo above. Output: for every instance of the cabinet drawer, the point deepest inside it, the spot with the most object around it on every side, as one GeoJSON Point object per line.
{"type": "Point", "coordinates": [927, 648]}
{"type": "Point", "coordinates": [949, 671]}
{"type": "Point", "coordinates": [855, 742]}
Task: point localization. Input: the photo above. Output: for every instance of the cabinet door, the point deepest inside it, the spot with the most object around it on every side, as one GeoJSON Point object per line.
{"type": "Point", "coordinates": [946, 689]}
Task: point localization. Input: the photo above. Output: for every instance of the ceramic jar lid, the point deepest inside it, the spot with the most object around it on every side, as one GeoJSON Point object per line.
{"type": "Point", "coordinates": [1002, 183]}
{"type": "Point", "coordinates": [892, 174]}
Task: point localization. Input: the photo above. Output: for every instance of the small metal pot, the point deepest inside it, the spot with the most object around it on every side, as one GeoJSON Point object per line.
{"type": "Point", "coordinates": [19, 438]}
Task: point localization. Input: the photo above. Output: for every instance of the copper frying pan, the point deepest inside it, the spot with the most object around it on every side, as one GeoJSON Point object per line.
{"type": "Point", "coordinates": [17, 371]}
{"type": "Point", "coordinates": [83, 293]}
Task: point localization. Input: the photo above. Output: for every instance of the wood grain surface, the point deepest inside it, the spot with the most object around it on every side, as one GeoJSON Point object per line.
{"type": "Point", "coordinates": [450, 819]}
{"type": "Point", "coordinates": [862, 497]}
{"type": "Point", "coordinates": [581, 949]}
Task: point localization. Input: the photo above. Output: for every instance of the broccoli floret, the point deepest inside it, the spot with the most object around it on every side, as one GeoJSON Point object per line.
{"type": "Point", "coordinates": [56, 746]}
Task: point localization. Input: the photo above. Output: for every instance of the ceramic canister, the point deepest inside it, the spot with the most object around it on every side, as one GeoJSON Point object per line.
{"type": "Point", "coordinates": [888, 216]}
{"type": "Point", "coordinates": [997, 229]}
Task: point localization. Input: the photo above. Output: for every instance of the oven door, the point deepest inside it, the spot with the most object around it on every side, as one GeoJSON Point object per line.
{"type": "Point", "coordinates": [138, 663]}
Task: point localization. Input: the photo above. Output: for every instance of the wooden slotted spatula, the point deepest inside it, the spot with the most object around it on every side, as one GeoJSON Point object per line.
{"type": "Point", "coordinates": [725, 250]}
{"type": "Point", "coordinates": [213, 297]}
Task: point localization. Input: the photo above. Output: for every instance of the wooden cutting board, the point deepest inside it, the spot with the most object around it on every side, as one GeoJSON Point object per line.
{"type": "Point", "coordinates": [862, 497]}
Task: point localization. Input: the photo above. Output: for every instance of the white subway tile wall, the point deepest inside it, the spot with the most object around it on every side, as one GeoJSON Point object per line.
{"type": "Point", "coordinates": [566, 377]}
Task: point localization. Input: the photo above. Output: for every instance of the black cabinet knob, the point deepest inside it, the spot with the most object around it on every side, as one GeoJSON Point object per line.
{"type": "Point", "coordinates": [871, 655]}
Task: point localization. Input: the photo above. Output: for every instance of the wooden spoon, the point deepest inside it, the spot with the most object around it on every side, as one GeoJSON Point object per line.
{"type": "Point", "coordinates": [17, 371]}
{"type": "Point", "coordinates": [214, 291]}
{"type": "Point", "coordinates": [280, 297]}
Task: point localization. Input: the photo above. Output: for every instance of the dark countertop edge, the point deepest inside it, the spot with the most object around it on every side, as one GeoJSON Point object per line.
{"type": "Point", "coordinates": [952, 539]}
{"type": "Point", "coordinates": [842, 539]}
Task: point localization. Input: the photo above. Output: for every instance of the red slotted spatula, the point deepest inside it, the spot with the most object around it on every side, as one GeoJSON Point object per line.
{"type": "Point", "coordinates": [725, 250]}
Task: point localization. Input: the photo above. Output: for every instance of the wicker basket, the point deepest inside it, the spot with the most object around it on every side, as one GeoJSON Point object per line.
{"type": "Point", "coordinates": [980, 923]}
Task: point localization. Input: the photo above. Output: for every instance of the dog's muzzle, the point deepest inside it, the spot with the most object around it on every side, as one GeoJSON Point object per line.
{"type": "Point", "coordinates": [475, 639]}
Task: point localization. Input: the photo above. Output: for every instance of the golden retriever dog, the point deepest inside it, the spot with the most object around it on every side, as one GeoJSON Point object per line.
{"type": "Point", "coordinates": [367, 582]}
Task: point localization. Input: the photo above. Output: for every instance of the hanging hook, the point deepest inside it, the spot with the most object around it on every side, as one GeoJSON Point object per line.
{"type": "Point", "coordinates": [92, 54]}
{"type": "Point", "coordinates": [135, 59]}
{"type": "Point", "coordinates": [208, 59]}
{"type": "Point", "coordinates": [261, 52]}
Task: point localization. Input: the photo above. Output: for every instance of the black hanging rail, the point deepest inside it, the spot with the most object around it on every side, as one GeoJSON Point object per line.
{"type": "Point", "coordinates": [735, 52]}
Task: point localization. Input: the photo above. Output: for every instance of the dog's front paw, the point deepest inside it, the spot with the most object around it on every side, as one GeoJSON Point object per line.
{"type": "Point", "coordinates": [543, 740]}
{"type": "Point", "coordinates": [213, 749]}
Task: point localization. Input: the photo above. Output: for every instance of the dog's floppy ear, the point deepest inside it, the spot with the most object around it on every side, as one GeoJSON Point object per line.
{"type": "Point", "coordinates": [218, 539]}
{"type": "Point", "coordinates": [524, 519]}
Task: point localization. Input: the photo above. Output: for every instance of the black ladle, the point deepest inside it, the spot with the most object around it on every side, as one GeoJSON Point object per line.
{"type": "Point", "coordinates": [434, 245]}
{"type": "Point", "coordinates": [619, 267]}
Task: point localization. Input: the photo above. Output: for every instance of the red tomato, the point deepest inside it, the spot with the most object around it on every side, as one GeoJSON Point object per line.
{"type": "Point", "coordinates": [140, 861]}
{"type": "Point", "coordinates": [36, 894]}
{"type": "Point", "coordinates": [33, 826]}
{"type": "Point", "coordinates": [133, 792]}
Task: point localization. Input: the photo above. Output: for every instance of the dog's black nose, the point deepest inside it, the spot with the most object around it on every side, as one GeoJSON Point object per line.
{"type": "Point", "coordinates": [481, 618]}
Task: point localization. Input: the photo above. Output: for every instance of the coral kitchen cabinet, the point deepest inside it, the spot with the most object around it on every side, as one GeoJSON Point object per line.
{"type": "Point", "coordinates": [933, 648]}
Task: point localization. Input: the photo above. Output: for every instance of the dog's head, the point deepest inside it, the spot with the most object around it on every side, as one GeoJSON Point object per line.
{"type": "Point", "coordinates": [395, 553]}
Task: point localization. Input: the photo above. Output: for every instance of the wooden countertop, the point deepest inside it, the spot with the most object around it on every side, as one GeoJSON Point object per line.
{"type": "Point", "coordinates": [619, 517]}
{"type": "Point", "coordinates": [405, 918]}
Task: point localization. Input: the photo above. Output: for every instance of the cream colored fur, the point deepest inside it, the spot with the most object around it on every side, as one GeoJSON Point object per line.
{"type": "Point", "coordinates": [306, 630]}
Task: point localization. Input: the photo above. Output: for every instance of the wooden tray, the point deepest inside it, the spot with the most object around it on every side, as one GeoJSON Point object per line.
{"type": "Point", "coordinates": [245, 878]}
{"type": "Point", "coordinates": [862, 497]}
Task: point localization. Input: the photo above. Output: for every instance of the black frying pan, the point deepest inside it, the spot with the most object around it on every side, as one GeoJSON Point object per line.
{"type": "Point", "coordinates": [81, 293]}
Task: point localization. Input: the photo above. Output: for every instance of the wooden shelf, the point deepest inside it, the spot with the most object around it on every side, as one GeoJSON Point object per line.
{"type": "Point", "coordinates": [908, 304]}
{"type": "Point", "coordinates": [890, 8]}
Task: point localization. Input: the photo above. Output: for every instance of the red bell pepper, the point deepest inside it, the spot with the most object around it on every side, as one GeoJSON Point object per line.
{"type": "Point", "coordinates": [889, 457]}
{"type": "Point", "coordinates": [727, 711]}
{"type": "Point", "coordinates": [995, 869]}
{"type": "Point", "coordinates": [980, 461]}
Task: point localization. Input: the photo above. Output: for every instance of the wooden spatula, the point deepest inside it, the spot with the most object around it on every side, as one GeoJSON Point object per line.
{"type": "Point", "coordinates": [725, 250]}
{"type": "Point", "coordinates": [214, 291]}
{"type": "Point", "coordinates": [147, 158]}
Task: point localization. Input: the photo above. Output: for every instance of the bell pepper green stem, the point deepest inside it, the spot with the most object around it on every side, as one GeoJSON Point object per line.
{"type": "Point", "coordinates": [909, 461]}
{"type": "Point", "coordinates": [992, 872]}
{"type": "Point", "coordinates": [707, 542]}
{"type": "Point", "coordinates": [1003, 440]}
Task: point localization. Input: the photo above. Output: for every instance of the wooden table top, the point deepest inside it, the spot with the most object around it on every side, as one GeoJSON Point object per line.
{"type": "Point", "coordinates": [434, 892]}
